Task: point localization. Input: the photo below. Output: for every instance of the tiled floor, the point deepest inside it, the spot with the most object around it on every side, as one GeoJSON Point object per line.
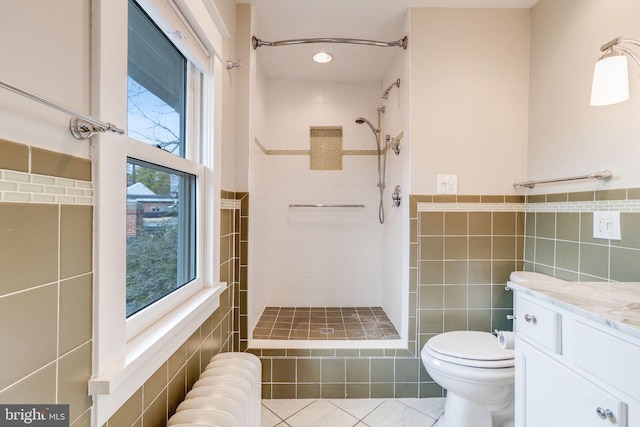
{"type": "Point", "coordinates": [325, 323]}
{"type": "Point", "coordinates": [351, 412]}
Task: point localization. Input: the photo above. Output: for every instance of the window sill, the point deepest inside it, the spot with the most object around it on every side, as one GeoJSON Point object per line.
{"type": "Point", "coordinates": [145, 353]}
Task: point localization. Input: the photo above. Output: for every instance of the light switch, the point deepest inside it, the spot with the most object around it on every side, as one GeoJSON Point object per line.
{"type": "Point", "coordinates": [606, 225]}
{"type": "Point", "coordinates": [447, 184]}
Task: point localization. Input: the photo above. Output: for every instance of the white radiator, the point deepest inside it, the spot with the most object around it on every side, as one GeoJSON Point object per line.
{"type": "Point", "coordinates": [227, 394]}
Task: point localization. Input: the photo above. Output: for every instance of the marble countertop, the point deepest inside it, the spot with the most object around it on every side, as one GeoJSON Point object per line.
{"type": "Point", "coordinates": [615, 304]}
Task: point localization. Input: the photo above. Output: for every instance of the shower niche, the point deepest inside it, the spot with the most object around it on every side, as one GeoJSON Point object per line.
{"type": "Point", "coordinates": [325, 148]}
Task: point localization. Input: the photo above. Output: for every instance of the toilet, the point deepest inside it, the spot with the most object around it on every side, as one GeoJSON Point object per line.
{"type": "Point", "coordinates": [478, 376]}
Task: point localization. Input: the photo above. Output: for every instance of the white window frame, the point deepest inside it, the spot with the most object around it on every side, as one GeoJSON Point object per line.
{"type": "Point", "coordinates": [127, 352]}
{"type": "Point", "coordinates": [192, 164]}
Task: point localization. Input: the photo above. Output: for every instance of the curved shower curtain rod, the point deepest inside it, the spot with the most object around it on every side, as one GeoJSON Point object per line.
{"type": "Point", "coordinates": [403, 42]}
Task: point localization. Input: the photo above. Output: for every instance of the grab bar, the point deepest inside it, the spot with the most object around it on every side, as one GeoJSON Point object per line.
{"type": "Point", "coordinates": [323, 205]}
{"type": "Point", "coordinates": [81, 126]}
{"type": "Point", "coordinates": [604, 176]}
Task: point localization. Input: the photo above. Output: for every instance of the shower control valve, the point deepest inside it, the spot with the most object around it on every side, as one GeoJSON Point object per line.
{"type": "Point", "coordinates": [395, 144]}
{"type": "Point", "coordinates": [396, 197]}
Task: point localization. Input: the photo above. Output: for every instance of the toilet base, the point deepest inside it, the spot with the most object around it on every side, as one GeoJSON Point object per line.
{"type": "Point", "coordinates": [461, 412]}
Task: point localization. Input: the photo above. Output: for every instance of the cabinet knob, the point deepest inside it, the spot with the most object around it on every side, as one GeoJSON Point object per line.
{"type": "Point", "coordinates": [604, 413]}
{"type": "Point", "coordinates": [530, 318]}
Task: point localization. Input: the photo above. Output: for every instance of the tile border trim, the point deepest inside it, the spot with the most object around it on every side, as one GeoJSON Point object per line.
{"type": "Point", "coordinates": [231, 204]}
{"type": "Point", "coordinates": [585, 206]}
{"type": "Point", "coordinates": [308, 152]}
{"type": "Point", "coordinates": [470, 207]}
{"type": "Point", "coordinates": [632, 193]}
{"type": "Point", "coordinates": [260, 146]}
{"type": "Point", "coordinates": [23, 187]}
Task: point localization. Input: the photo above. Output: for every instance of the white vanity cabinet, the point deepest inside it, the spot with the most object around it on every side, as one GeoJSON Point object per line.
{"type": "Point", "coordinates": [572, 371]}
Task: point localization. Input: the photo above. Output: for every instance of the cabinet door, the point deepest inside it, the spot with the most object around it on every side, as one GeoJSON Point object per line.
{"type": "Point", "coordinates": [554, 396]}
{"type": "Point", "coordinates": [539, 324]}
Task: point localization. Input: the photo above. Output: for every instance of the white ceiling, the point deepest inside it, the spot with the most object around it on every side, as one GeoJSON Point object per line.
{"type": "Point", "coordinates": [381, 20]}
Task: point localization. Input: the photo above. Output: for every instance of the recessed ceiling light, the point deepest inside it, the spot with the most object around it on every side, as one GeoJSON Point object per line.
{"type": "Point", "coordinates": [322, 57]}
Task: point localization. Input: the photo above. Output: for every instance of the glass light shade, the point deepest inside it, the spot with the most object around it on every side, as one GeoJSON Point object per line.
{"type": "Point", "coordinates": [610, 81]}
{"type": "Point", "coordinates": [322, 57]}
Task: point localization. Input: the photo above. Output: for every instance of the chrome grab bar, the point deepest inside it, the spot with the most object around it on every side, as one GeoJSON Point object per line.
{"type": "Point", "coordinates": [601, 176]}
{"type": "Point", "coordinates": [81, 126]}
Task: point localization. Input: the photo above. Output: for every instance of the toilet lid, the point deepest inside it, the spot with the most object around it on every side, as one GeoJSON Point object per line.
{"type": "Point", "coordinates": [471, 345]}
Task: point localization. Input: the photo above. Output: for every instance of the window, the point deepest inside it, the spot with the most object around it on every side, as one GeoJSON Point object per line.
{"type": "Point", "coordinates": [160, 233]}
{"type": "Point", "coordinates": [155, 188]}
{"type": "Point", "coordinates": [156, 85]}
{"type": "Point", "coordinates": [161, 201]}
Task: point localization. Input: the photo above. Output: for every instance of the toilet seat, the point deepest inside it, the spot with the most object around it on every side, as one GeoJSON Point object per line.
{"type": "Point", "coordinates": [469, 348]}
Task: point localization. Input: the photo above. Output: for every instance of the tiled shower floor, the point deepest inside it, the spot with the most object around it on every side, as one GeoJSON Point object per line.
{"type": "Point", "coordinates": [325, 323]}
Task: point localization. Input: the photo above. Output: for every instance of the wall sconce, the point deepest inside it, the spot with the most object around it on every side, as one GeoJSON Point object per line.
{"type": "Point", "coordinates": [611, 74]}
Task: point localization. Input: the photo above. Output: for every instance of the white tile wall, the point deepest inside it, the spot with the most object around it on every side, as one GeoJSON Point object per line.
{"type": "Point", "coordinates": [396, 229]}
{"type": "Point", "coordinates": [320, 256]}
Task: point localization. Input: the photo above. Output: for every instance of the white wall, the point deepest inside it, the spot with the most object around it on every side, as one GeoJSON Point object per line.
{"type": "Point", "coordinates": [257, 224]}
{"type": "Point", "coordinates": [231, 80]}
{"type": "Point", "coordinates": [257, 198]}
{"type": "Point", "coordinates": [395, 285]}
{"type": "Point", "coordinates": [45, 50]}
{"type": "Point", "coordinates": [566, 135]}
{"type": "Point", "coordinates": [250, 170]}
{"type": "Point", "coordinates": [469, 98]}
{"type": "Point", "coordinates": [245, 77]}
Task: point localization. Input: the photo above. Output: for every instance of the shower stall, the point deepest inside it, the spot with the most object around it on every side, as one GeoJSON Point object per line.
{"type": "Point", "coordinates": [324, 237]}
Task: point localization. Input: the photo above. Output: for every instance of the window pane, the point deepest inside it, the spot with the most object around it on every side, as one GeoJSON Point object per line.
{"type": "Point", "coordinates": [161, 232]}
{"type": "Point", "coordinates": [156, 85]}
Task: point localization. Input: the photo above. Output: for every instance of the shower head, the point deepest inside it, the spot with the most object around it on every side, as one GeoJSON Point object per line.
{"type": "Point", "coordinates": [361, 120]}
{"type": "Point", "coordinates": [385, 94]}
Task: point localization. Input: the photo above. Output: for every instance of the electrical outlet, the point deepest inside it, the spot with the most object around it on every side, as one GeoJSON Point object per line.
{"type": "Point", "coordinates": [606, 225]}
{"type": "Point", "coordinates": [447, 184]}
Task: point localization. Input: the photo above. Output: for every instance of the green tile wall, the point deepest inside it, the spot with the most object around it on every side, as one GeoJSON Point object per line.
{"type": "Point", "coordinates": [44, 162]}
{"type": "Point", "coordinates": [559, 238]}
{"type": "Point", "coordinates": [234, 242]}
{"type": "Point", "coordinates": [46, 297]}
{"type": "Point", "coordinates": [463, 263]}
{"type": "Point", "coordinates": [14, 156]}
{"type": "Point", "coordinates": [46, 286]}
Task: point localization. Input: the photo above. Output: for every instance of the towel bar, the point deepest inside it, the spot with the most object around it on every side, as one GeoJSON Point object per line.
{"type": "Point", "coordinates": [604, 176]}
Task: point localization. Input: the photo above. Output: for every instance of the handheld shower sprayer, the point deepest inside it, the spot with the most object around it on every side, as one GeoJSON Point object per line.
{"type": "Point", "coordinates": [382, 160]}
{"type": "Point", "coordinates": [361, 120]}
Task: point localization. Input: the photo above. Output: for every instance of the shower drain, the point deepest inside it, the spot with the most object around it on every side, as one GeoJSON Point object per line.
{"type": "Point", "coordinates": [326, 330]}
